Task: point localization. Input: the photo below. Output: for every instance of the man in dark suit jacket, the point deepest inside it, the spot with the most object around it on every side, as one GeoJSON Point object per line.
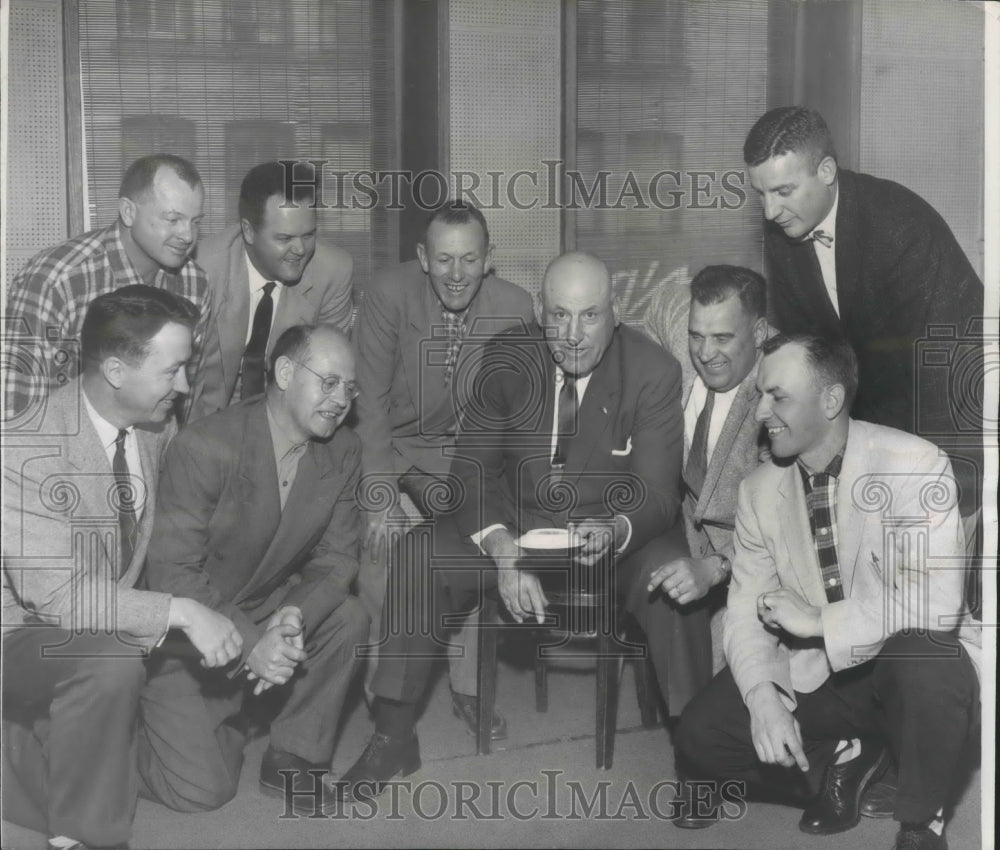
{"type": "Point", "coordinates": [415, 385]}
{"type": "Point", "coordinates": [258, 520]}
{"type": "Point", "coordinates": [79, 502]}
{"type": "Point", "coordinates": [274, 243]}
{"type": "Point", "coordinates": [578, 424]}
{"type": "Point", "coordinates": [869, 259]}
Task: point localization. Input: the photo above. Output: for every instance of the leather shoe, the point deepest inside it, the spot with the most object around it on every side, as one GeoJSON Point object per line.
{"type": "Point", "coordinates": [384, 759]}
{"type": "Point", "coordinates": [467, 708]}
{"type": "Point", "coordinates": [837, 806]}
{"type": "Point", "coordinates": [879, 800]}
{"type": "Point", "coordinates": [278, 769]}
{"type": "Point", "coordinates": [695, 807]}
{"type": "Point", "coordinates": [912, 836]}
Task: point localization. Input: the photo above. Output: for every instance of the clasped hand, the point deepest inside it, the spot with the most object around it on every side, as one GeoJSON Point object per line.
{"type": "Point", "coordinates": [785, 609]}
{"type": "Point", "coordinates": [280, 649]}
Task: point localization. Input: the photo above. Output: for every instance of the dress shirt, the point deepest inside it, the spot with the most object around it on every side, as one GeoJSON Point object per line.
{"type": "Point", "coordinates": [256, 281]}
{"type": "Point", "coordinates": [108, 435]}
{"type": "Point", "coordinates": [720, 410]}
{"type": "Point", "coordinates": [287, 455]}
{"type": "Point", "coordinates": [827, 256]}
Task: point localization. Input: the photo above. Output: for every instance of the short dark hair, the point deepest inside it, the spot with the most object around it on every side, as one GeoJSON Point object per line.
{"type": "Point", "coordinates": [716, 283]}
{"type": "Point", "coordinates": [139, 176]}
{"type": "Point", "coordinates": [458, 212]}
{"type": "Point", "coordinates": [121, 323]}
{"type": "Point", "coordinates": [265, 181]}
{"type": "Point", "coordinates": [789, 129]}
{"type": "Point", "coordinates": [831, 358]}
{"type": "Point", "coordinates": [293, 344]}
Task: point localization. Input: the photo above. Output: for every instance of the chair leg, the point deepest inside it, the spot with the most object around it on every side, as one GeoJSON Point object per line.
{"type": "Point", "coordinates": [609, 667]}
{"type": "Point", "coordinates": [645, 691]}
{"type": "Point", "coordinates": [486, 675]}
{"type": "Point", "coordinates": [541, 681]}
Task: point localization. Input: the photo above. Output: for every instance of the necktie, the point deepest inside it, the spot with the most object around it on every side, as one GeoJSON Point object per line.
{"type": "Point", "coordinates": [253, 357]}
{"type": "Point", "coordinates": [455, 324]}
{"type": "Point", "coordinates": [697, 465]}
{"type": "Point", "coordinates": [824, 238]}
{"type": "Point", "coordinates": [568, 409]}
{"type": "Point", "coordinates": [125, 491]}
{"type": "Point", "coordinates": [820, 497]}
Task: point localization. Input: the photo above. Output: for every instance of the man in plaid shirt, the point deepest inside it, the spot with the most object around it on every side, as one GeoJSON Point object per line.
{"type": "Point", "coordinates": [159, 212]}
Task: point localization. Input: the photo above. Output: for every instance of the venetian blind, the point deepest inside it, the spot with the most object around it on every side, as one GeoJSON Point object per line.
{"type": "Point", "coordinates": [232, 83]}
{"type": "Point", "coordinates": [666, 91]}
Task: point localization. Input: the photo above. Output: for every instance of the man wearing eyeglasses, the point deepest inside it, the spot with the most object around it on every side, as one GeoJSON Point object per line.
{"type": "Point", "coordinates": [258, 520]}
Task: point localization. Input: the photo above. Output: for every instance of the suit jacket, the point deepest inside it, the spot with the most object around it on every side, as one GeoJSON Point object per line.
{"type": "Point", "coordinates": [900, 548]}
{"type": "Point", "coordinates": [624, 459]}
{"type": "Point", "coordinates": [406, 414]}
{"type": "Point", "coordinates": [60, 536]}
{"type": "Point", "coordinates": [220, 537]}
{"type": "Point", "coordinates": [899, 269]}
{"type": "Point", "coordinates": [323, 294]}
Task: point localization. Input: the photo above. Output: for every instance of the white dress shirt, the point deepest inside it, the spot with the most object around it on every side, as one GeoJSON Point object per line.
{"type": "Point", "coordinates": [828, 256]}
{"type": "Point", "coordinates": [693, 408]}
{"type": "Point", "coordinates": [257, 281]}
{"type": "Point", "coordinates": [108, 434]}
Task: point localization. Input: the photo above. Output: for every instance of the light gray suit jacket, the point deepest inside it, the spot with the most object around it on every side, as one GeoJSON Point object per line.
{"type": "Point", "coordinates": [900, 548]}
{"type": "Point", "coordinates": [323, 294]}
{"type": "Point", "coordinates": [60, 534]}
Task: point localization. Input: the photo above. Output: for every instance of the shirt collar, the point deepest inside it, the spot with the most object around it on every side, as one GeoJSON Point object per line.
{"type": "Point", "coordinates": [282, 443]}
{"type": "Point", "coordinates": [832, 468]}
{"type": "Point", "coordinates": [829, 224]}
{"type": "Point", "coordinates": [255, 279]}
{"type": "Point", "coordinates": [106, 432]}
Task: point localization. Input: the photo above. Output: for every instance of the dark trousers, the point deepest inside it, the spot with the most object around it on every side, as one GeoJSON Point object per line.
{"type": "Point", "coordinates": [921, 696]}
{"type": "Point", "coordinates": [435, 575]}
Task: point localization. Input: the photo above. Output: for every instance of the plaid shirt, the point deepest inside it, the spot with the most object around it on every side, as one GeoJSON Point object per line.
{"type": "Point", "coordinates": [455, 326]}
{"type": "Point", "coordinates": [821, 499]}
{"type": "Point", "coordinates": [46, 304]}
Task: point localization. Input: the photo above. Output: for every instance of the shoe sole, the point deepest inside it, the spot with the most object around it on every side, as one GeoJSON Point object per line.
{"type": "Point", "coordinates": [494, 736]}
{"type": "Point", "coordinates": [873, 775]}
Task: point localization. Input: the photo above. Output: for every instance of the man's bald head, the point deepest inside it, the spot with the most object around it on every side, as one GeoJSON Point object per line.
{"type": "Point", "coordinates": [579, 311]}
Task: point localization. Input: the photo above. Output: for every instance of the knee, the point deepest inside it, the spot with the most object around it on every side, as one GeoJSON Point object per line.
{"type": "Point", "coordinates": [204, 799]}
{"type": "Point", "coordinates": [694, 735]}
{"type": "Point", "coordinates": [113, 677]}
{"type": "Point", "coordinates": [355, 619]}
{"type": "Point", "coordinates": [919, 665]}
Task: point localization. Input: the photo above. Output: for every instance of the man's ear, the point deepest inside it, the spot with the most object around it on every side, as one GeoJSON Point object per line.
{"type": "Point", "coordinates": [422, 257]}
{"type": "Point", "coordinates": [488, 261]}
{"type": "Point", "coordinates": [248, 231]}
{"type": "Point", "coordinates": [616, 310]}
{"type": "Point", "coordinates": [827, 170]}
{"type": "Point", "coordinates": [113, 370]}
{"type": "Point", "coordinates": [833, 401]}
{"type": "Point", "coordinates": [126, 211]}
{"type": "Point", "coordinates": [759, 332]}
{"type": "Point", "coordinates": [283, 369]}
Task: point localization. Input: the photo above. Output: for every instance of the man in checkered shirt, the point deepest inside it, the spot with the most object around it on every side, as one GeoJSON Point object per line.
{"type": "Point", "coordinates": [159, 212]}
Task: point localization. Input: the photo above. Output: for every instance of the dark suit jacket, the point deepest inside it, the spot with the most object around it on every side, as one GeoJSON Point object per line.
{"type": "Point", "coordinates": [899, 270]}
{"type": "Point", "coordinates": [221, 538]}
{"type": "Point", "coordinates": [60, 527]}
{"type": "Point", "coordinates": [406, 414]}
{"type": "Point", "coordinates": [625, 458]}
{"type": "Point", "coordinates": [323, 294]}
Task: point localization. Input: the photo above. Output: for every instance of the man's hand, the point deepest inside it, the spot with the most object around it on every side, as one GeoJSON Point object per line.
{"type": "Point", "coordinates": [595, 537]}
{"type": "Point", "coordinates": [774, 729]}
{"type": "Point", "coordinates": [785, 609]}
{"type": "Point", "coordinates": [211, 633]}
{"type": "Point", "coordinates": [275, 656]}
{"type": "Point", "coordinates": [376, 532]}
{"type": "Point", "coordinates": [289, 615]}
{"type": "Point", "coordinates": [684, 580]}
{"type": "Point", "coordinates": [522, 593]}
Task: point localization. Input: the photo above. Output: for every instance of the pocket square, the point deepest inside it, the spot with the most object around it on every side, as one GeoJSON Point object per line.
{"type": "Point", "coordinates": [623, 452]}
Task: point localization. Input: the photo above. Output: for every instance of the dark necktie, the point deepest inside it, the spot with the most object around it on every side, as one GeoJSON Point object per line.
{"type": "Point", "coordinates": [126, 491]}
{"type": "Point", "coordinates": [568, 409]}
{"type": "Point", "coordinates": [253, 357]}
{"type": "Point", "coordinates": [697, 465]}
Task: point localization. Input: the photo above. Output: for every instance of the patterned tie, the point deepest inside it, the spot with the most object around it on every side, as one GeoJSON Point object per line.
{"type": "Point", "coordinates": [455, 326]}
{"type": "Point", "coordinates": [125, 491]}
{"type": "Point", "coordinates": [824, 238]}
{"type": "Point", "coordinates": [253, 357]}
{"type": "Point", "coordinates": [569, 407]}
{"type": "Point", "coordinates": [820, 494]}
{"type": "Point", "coordinates": [697, 465]}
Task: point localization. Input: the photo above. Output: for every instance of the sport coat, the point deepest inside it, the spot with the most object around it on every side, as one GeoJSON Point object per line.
{"type": "Point", "coordinates": [624, 459]}
{"type": "Point", "coordinates": [322, 294]}
{"type": "Point", "coordinates": [221, 538]}
{"type": "Point", "coordinates": [60, 534]}
{"type": "Point", "coordinates": [406, 413]}
{"type": "Point", "coordinates": [900, 548]}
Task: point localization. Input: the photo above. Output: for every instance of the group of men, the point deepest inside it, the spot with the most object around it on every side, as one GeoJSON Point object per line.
{"type": "Point", "coordinates": [181, 580]}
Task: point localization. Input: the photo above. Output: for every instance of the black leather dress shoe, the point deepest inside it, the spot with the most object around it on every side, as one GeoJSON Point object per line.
{"type": "Point", "coordinates": [467, 708]}
{"type": "Point", "coordinates": [879, 800]}
{"type": "Point", "coordinates": [919, 837]}
{"type": "Point", "coordinates": [837, 806]}
{"type": "Point", "coordinates": [294, 778]}
{"type": "Point", "coordinates": [384, 759]}
{"type": "Point", "coordinates": [695, 808]}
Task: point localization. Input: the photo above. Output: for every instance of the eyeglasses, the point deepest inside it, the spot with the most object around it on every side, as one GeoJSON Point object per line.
{"type": "Point", "coordinates": [329, 383]}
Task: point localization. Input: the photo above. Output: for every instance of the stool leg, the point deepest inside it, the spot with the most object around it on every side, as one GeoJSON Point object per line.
{"type": "Point", "coordinates": [645, 691]}
{"type": "Point", "coordinates": [608, 673]}
{"type": "Point", "coordinates": [486, 675]}
{"type": "Point", "coordinates": [541, 681]}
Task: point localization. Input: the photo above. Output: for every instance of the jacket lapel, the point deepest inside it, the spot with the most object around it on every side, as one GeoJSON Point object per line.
{"type": "Point", "coordinates": [852, 522]}
{"type": "Point", "coordinates": [845, 251]}
{"type": "Point", "coordinates": [293, 308]}
{"type": "Point", "coordinates": [793, 522]}
{"type": "Point", "coordinates": [233, 313]}
{"type": "Point", "coordinates": [600, 403]}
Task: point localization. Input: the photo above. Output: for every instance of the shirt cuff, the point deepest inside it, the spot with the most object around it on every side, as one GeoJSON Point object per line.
{"type": "Point", "coordinates": [480, 536]}
{"type": "Point", "coordinates": [628, 535]}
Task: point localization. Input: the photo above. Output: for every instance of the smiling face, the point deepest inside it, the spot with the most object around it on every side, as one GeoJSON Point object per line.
{"type": "Point", "coordinates": [723, 339]}
{"type": "Point", "coordinates": [162, 222]}
{"type": "Point", "coordinates": [308, 412]}
{"type": "Point", "coordinates": [145, 391]}
{"type": "Point", "coordinates": [795, 195]}
{"type": "Point", "coordinates": [456, 258]}
{"type": "Point", "coordinates": [284, 243]}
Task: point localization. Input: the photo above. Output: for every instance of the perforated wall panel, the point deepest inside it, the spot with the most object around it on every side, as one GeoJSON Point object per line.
{"type": "Point", "coordinates": [922, 102]}
{"type": "Point", "coordinates": [505, 105]}
{"type": "Point", "coordinates": [36, 150]}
